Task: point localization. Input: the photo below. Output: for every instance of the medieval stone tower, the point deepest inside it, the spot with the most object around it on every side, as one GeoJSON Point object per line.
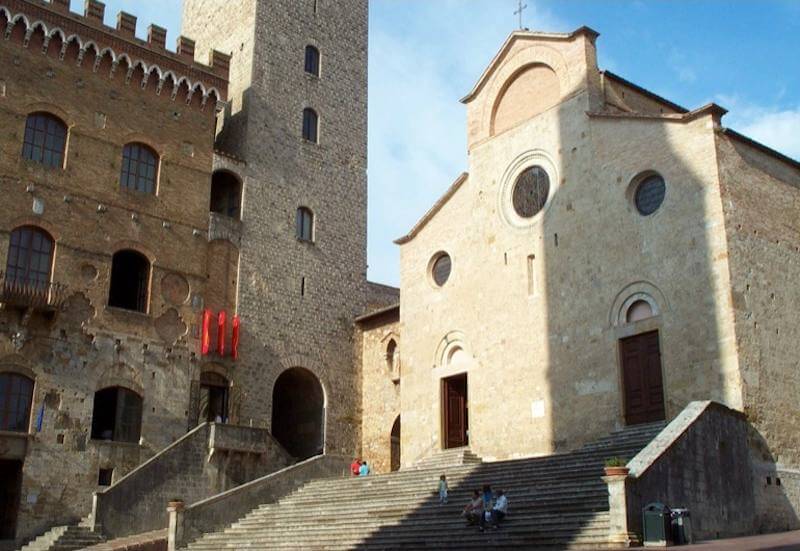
{"type": "Point", "coordinates": [294, 137]}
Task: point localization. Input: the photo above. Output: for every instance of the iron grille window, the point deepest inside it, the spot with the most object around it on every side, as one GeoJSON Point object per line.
{"type": "Point", "coordinates": [130, 275]}
{"type": "Point", "coordinates": [310, 125]}
{"type": "Point", "coordinates": [45, 140]}
{"type": "Point", "coordinates": [305, 224]}
{"type": "Point", "coordinates": [441, 269]}
{"type": "Point", "coordinates": [117, 415]}
{"type": "Point", "coordinates": [139, 168]}
{"type": "Point", "coordinates": [650, 194]}
{"type": "Point", "coordinates": [530, 191]}
{"type": "Point", "coordinates": [30, 257]}
{"type": "Point", "coordinates": [16, 394]}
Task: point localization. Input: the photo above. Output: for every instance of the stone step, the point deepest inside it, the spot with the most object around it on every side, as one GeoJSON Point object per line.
{"type": "Point", "coordinates": [64, 538]}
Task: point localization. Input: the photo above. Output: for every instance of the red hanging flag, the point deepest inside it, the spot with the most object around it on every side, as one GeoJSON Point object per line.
{"type": "Point", "coordinates": [235, 338]}
{"type": "Point", "coordinates": [221, 333]}
{"type": "Point", "coordinates": [205, 337]}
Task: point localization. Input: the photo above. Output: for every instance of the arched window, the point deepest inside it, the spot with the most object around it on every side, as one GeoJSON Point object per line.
{"type": "Point", "coordinates": [139, 168]}
{"type": "Point", "coordinates": [16, 394]}
{"type": "Point", "coordinates": [226, 194]}
{"type": "Point", "coordinates": [305, 224]}
{"type": "Point", "coordinates": [30, 258]}
{"type": "Point", "coordinates": [117, 415]}
{"type": "Point", "coordinates": [391, 352]}
{"type": "Point", "coordinates": [312, 60]}
{"type": "Point", "coordinates": [45, 140]}
{"type": "Point", "coordinates": [310, 125]}
{"type": "Point", "coordinates": [130, 278]}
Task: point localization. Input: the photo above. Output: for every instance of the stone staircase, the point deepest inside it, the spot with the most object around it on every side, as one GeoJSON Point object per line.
{"type": "Point", "coordinates": [64, 538]}
{"type": "Point", "coordinates": [554, 501]}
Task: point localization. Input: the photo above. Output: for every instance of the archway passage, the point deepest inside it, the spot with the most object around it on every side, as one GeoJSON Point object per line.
{"type": "Point", "coordinates": [394, 458]}
{"type": "Point", "coordinates": [10, 489]}
{"type": "Point", "coordinates": [298, 413]}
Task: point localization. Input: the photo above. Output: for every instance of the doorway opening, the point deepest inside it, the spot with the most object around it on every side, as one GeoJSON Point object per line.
{"type": "Point", "coordinates": [298, 413]}
{"type": "Point", "coordinates": [394, 458]}
{"type": "Point", "coordinates": [642, 380]}
{"type": "Point", "coordinates": [455, 411]}
{"type": "Point", "coordinates": [10, 491]}
{"type": "Point", "coordinates": [213, 397]}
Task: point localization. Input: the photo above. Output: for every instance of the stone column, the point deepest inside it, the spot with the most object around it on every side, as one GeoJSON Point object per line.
{"type": "Point", "coordinates": [175, 526]}
{"type": "Point", "coordinates": [618, 511]}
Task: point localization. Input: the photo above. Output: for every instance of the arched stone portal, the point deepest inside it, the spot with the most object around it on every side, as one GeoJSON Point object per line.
{"type": "Point", "coordinates": [298, 413]}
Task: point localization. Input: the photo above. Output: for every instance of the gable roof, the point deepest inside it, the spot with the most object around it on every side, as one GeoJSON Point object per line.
{"type": "Point", "coordinates": [434, 209]}
{"type": "Point", "coordinates": [513, 37]}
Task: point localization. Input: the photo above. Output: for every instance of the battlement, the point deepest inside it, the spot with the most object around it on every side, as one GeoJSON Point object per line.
{"type": "Point", "coordinates": [87, 39]}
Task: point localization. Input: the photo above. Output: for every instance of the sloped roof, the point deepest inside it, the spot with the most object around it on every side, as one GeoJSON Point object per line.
{"type": "Point", "coordinates": [514, 36]}
{"type": "Point", "coordinates": [434, 209]}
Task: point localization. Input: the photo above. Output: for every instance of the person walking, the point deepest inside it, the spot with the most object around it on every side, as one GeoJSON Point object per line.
{"type": "Point", "coordinates": [443, 489]}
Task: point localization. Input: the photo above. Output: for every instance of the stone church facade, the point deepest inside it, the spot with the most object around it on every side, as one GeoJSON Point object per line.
{"type": "Point", "coordinates": [608, 258]}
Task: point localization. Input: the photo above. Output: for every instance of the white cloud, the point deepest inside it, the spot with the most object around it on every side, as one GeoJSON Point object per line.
{"type": "Point", "coordinates": [776, 127]}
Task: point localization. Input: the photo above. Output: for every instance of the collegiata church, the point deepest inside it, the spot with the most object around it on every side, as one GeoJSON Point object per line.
{"type": "Point", "coordinates": [191, 354]}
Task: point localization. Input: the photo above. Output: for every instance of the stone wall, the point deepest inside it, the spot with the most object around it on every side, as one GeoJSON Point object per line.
{"type": "Point", "coordinates": [701, 461]}
{"type": "Point", "coordinates": [72, 352]}
{"type": "Point", "coordinates": [209, 460]}
{"type": "Point", "coordinates": [380, 388]}
{"type": "Point", "coordinates": [534, 309]}
{"type": "Point", "coordinates": [297, 299]}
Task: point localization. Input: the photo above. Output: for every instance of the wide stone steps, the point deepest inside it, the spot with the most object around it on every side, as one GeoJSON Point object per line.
{"type": "Point", "coordinates": [64, 538]}
{"type": "Point", "coordinates": [554, 501]}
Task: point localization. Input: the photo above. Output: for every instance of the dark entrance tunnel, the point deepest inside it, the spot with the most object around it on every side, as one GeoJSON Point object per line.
{"type": "Point", "coordinates": [298, 413]}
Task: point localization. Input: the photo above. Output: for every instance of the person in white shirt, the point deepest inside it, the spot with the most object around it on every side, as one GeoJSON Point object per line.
{"type": "Point", "coordinates": [500, 508]}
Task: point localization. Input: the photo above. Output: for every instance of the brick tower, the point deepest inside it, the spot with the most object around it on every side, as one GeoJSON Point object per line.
{"type": "Point", "coordinates": [295, 135]}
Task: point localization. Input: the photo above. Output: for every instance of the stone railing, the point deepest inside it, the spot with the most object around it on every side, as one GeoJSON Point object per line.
{"type": "Point", "coordinates": [31, 293]}
{"type": "Point", "coordinates": [191, 469]}
{"type": "Point", "coordinates": [224, 227]}
{"type": "Point", "coordinates": [215, 513]}
{"type": "Point", "coordinates": [701, 462]}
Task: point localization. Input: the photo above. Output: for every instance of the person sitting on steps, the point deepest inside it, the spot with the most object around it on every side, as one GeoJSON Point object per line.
{"type": "Point", "coordinates": [364, 469]}
{"type": "Point", "coordinates": [500, 509]}
{"type": "Point", "coordinates": [355, 466]}
{"type": "Point", "coordinates": [473, 511]}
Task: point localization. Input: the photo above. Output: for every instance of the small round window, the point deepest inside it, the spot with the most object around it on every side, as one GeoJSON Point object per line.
{"type": "Point", "coordinates": [530, 191]}
{"type": "Point", "coordinates": [441, 269]}
{"type": "Point", "coordinates": [650, 194]}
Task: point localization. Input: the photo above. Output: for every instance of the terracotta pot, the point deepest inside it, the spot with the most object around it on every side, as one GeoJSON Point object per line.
{"type": "Point", "coordinates": [616, 471]}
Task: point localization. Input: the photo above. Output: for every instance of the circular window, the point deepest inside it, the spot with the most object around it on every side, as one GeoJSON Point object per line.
{"type": "Point", "coordinates": [650, 194]}
{"type": "Point", "coordinates": [441, 269]}
{"type": "Point", "coordinates": [530, 191]}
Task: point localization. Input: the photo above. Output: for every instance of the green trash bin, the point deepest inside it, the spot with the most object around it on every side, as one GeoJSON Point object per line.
{"type": "Point", "coordinates": [656, 521]}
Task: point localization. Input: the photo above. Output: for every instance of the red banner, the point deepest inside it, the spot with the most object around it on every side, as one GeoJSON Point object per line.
{"type": "Point", "coordinates": [205, 337]}
{"type": "Point", "coordinates": [221, 333]}
{"type": "Point", "coordinates": [235, 338]}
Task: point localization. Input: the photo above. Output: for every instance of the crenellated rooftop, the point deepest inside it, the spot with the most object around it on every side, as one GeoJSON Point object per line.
{"type": "Point", "coordinates": [64, 35]}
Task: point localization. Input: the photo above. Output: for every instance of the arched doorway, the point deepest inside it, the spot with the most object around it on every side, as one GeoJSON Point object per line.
{"type": "Point", "coordinates": [213, 397]}
{"type": "Point", "coordinates": [394, 458]}
{"type": "Point", "coordinates": [298, 413]}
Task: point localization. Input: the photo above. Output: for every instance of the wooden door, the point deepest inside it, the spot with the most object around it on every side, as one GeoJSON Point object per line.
{"type": "Point", "coordinates": [10, 487]}
{"type": "Point", "coordinates": [642, 379]}
{"type": "Point", "coordinates": [455, 411]}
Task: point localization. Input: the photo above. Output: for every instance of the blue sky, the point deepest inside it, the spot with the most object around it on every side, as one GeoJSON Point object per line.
{"type": "Point", "coordinates": [426, 54]}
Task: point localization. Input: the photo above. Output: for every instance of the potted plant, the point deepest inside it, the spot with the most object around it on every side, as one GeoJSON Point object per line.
{"type": "Point", "coordinates": [616, 466]}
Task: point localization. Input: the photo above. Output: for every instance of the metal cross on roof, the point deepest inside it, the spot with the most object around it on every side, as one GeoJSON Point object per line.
{"type": "Point", "coordinates": [519, 11]}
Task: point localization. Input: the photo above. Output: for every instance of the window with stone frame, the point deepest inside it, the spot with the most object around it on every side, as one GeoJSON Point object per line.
{"type": "Point", "coordinates": [650, 194]}
{"type": "Point", "coordinates": [305, 224]}
{"type": "Point", "coordinates": [530, 191]}
{"type": "Point", "coordinates": [226, 194]}
{"type": "Point", "coordinates": [117, 415]}
{"type": "Point", "coordinates": [440, 271]}
{"type": "Point", "coordinates": [30, 258]}
{"type": "Point", "coordinates": [45, 140]}
{"type": "Point", "coordinates": [139, 168]}
{"type": "Point", "coordinates": [130, 281]}
{"type": "Point", "coordinates": [310, 125]}
{"type": "Point", "coordinates": [312, 60]}
{"type": "Point", "coordinates": [16, 395]}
